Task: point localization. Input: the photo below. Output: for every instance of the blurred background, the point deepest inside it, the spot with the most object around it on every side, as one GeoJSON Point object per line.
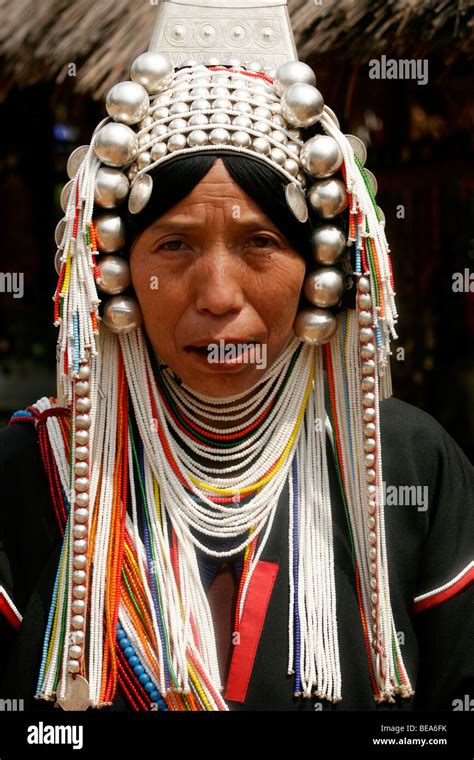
{"type": "Point", "coordinates": [58, 60]}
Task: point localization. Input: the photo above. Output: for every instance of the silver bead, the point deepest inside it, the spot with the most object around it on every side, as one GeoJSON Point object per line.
{"type": "Point", "coordinates": [369, 415]}
{"type": "Point", "coordinates": [294, 148]}
{"type": "Point", "coordinates": [216, 92]}
{"type": "Point", "coordinates": [278, 155]}
{"type": "Point", "coordinates": [374, 597]}
{"type": "Point", "coordinates": [84, 372]}
{"type": "Point", "coordinates": [220, 118]}
{"type": "Point", "coordinates": [369, 460]}
{"type": "Point", "coordinates": [146, 122]}
{"type": "Point", "coordinates": [368, 383]}
{"type": "Point", "coordinates": [241, 139]}
{"type": "Point", "coordinates": [111, 187]}
{"type": "Point", "coordinates": [369, 430]}
{"type": "Point", "coordinates": [82, 437]}
{"type": "Point", "coordinates": [315, 326]}
{"type": "Point", "coordinates": [360, 151]}
{"type": "Point", "coordinates": [122, 314]}
{"type": "Point", "coordinates": [372, 538]}
{"type": "Point", "coordinates": [291, 166]}
{"type": "Point", "coordinates": [160, 130]}
{"type": "Point", "coordinates": [364, 285]}
{"type": "Point", "coordinates": [158, 151]}
{"type": "Point", "coordinates": [261, 112]}
{"type": "Point", "coordinates": [83, 404]}
{"type": "Point", "coordinates": [177, 124]}
{"type": "Point", "coordinates": [83, 421]}
{"type": "Point", "coordinates": [301, 177]}
{"type": "Point", "coordinates": [279, 136]}
{"type": "Point", "coordinates": [79, 546]}
{"type": "Point", "coordinates": [81, 469]}
{"type": "Point", "coordinates": [73, 666]}
{"type": "Point", "coordinates": [81, 515]}
{"type": "Point", "coordinates": [321, 156]}
{"type": "Point", "coordinates": [200, 104]}
{"type": "Point", "coordinates": [81, 484]}
{"type": "Point", "coordinates": [79, 591]}
{"type": "Point", "coordinates": [132, 172]}
{"type": "Point", "coordinates": [324, 287]}
{"type": "Point", "coordinates": [293, 72]}
{"type": "Point", "coordinates": [219, 135]}
{"type": "Point", "coordinates": [302, 105]}
{"type": "Point", "coordinates": [79, 576]}
{"type": "Point", "coordinates": [242, 94]}
{"type": "Point", "coordinates": [368, 367]}
{"type": "Point", "coordinates": [78, 606]}
{"type": "Point", "coordinates": [365, 301]}
{"type": "Point", "coordinates": [371, 507]}
{"type": "Point", "coordinates": [75, 652]}
{"type": "Point", "coordinates": [329, 244]}
{"type": "Point", "coordinates": [369, 445]}
{"type": "Point", "coordinates": [328, 197]}
{"type": "Point", "coordinates": [371, 491]}
{"type": "Point", "coordinates": [373, 581]}
{"type": "Point", "coordinates": [162, 100]}
{"type": "Point", "coordinates": [143, 160]}
{"type": "Point", "coordinates": [176, 142]}
{"type": "Point", "coordinates": [127, 102]}
{"type": "Point", "coordinates": [203, 92]}
{"type": "Point", "coordinates": [198, 120]}
{"type": "Point", "coordinates": [197, 137]}
{"type": "Point", "coordinates": [221, 104]}
{"type": "Point", "coordinates": [179, 107]}
{"type": "Point", "coordinates": [153, 70]}
{"type": "Point", "coordinates": [81, 500]}
{"type": "Point", "coordinates": [366, 335]}
{"type": "Point", "coordinates": [243, 107]}
{"type": "Point", "coordinates": [242, 121]}
{"type": "Point", "coordinates": [110, 233]}
{"type": "Point", "coordinates": [263, 127]}
{"type": "Point", "coordinates": [114, 274]}
{"type": "Point", "coordinates": [278, 120]}
{"type": "Point", "coordinates": [81, 453]}
{"type": "Point", "coordinates": [116, 145]}
{"type": "Point", "coordinates": [261, 145]}
{"type": "Point", "coordinates": [365, 317]}
{"type": "Point", "coordinates": [370, 476]}
{"type": "Point", "coordinates": [81, 388]}
{"type": "Point", "coordinates": [368, 399]}
{"type": "Point", "coordinates": [79, 561]}
{"type": "Point", "coordinates": [161, 113]}
{"type": "Point", "coordinates": [77, 621]}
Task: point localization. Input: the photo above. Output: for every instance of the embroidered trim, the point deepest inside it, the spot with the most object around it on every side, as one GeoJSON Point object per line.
{"type": "Point", "coordinates": [449, 589]}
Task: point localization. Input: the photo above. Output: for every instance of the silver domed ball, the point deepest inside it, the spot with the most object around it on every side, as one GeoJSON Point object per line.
{"type": "Point", "coordinates": [324, 287]}
{"type": "Point", "coordinates": [111, 187]}
{"type": "Point", "coordinates": [315, 326]}
{"type": "Point", "coordinates": [328, 197]}
{"type": "Point", "coordinates": [329, 244]}
{"type": "Point", "coordinates": [122, 314]}
{"type": "Point", "coordinates": [293, 72]}
{"type": "Point", "coordinates": [302, 105]}
{"type": "Point", "coordinates": [153, 70]}
{"type": "Point", "coordinates": [321, 156]}
{"type": "Point", "coordinates": [127, 102]}
{"type": "Point", "coordinates": [110, 232]}
{"type": "Point", "coordinates": [114, 274]}
{"type": "Point", "coordinates": [116, 145]}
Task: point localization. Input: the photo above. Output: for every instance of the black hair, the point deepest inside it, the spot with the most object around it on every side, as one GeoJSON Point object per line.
{"type": "Point", "coordinates": [175, 179]}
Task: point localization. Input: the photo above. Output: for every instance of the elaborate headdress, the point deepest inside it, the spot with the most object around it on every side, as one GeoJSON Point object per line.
{"type": "Point", "coordinates": [130, 605]}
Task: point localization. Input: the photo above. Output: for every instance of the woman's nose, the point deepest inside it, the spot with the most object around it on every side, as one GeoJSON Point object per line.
{"type": "Point", "coordinates": [219, 284]}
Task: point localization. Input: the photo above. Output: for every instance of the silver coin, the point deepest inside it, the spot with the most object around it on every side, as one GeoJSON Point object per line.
{"type": "Point", "coordinates": [296, 201]}
{"type": "Point", "coordinates": [140, 194]}
{"type": "Point", "coordinates": [75, 160]}
{"type": "Point", "coordinates": [76, 696]}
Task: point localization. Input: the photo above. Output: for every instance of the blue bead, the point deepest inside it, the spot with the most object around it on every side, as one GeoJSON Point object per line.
{"type": "Point", "coordinates": [129, 652]}
{"type": "Point", "coordinates": [144, 678]}
{"type": "Point", "coordinates": [155, 695]}
{"type": "Point", "coordinates": [124, 643]}
{"type": "Point", "coordinates": [149, 687]}
{"type": "Point", "coordinates": [119, 628]}
{"type": "Point", "coordinates": [138, 670]}
{"type": "Point", "coordinates": [132, 661]}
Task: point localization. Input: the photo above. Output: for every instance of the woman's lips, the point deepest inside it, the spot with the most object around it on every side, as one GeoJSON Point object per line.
{"type": "Point", "coordinates": [223, 355]}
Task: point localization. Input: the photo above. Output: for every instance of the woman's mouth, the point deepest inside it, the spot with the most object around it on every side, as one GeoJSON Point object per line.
{"type": "Point", "coordinates": [227, 355]}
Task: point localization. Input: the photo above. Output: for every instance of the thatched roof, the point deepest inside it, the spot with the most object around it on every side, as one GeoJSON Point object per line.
{"type": "Point", "coordinates": [102, 37]}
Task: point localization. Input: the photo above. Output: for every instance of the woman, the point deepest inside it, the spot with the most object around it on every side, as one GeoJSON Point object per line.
{"type": "Point", "coordinates": [231, 409]}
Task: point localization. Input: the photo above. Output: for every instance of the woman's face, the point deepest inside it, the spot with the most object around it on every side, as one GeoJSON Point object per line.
{"type": "Point", "coordinates": [218, 285]}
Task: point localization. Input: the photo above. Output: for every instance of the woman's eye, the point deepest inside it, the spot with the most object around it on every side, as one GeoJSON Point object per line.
{"type": "Point", "coordinates": [263, 239]}
{"type": "Point", "coordinates": [171, 243]}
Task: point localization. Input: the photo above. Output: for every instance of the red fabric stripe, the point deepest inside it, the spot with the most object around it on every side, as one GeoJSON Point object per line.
{"type": "Point", "coordinates": [442, 596]}
{"type": "Point", "coordinates": [8, 612]}
{"type": "Point", "coordinates": [251, 625]}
